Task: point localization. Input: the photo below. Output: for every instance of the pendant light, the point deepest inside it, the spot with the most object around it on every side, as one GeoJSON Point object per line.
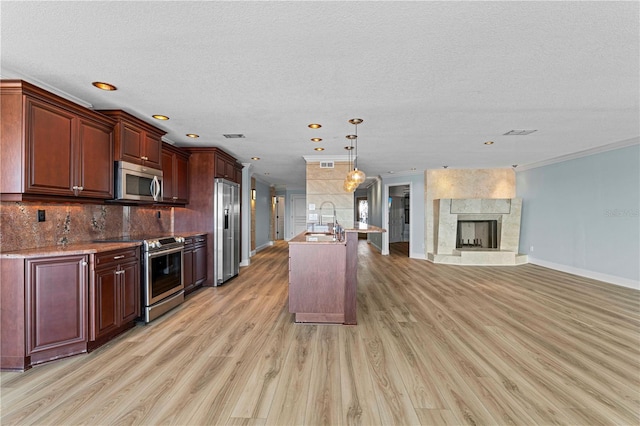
{"type": "Point", "coordinates": [355, 175]}
{"type": "Point", "coordinates": [349, 185]}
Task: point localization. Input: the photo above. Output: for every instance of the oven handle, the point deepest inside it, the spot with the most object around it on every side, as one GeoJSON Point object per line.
{"type": "Point", "coordinates": [153, 254]}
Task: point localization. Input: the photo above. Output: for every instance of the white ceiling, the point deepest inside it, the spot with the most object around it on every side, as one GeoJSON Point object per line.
{"type": "Point", "coordinates": [432, 80]}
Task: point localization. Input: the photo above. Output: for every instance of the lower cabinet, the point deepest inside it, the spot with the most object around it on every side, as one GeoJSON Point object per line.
{"type": "Point", "coordinates": [114, 295]}
{"type": "Point", "coordinates": [44, 309]}
{"type": "Point", "coordinates": [195, 262]}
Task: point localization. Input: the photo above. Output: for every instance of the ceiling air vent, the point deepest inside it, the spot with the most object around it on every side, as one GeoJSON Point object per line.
{"type": "Point", "coordinates": [326, 164]}
{"type": "Point", "coordinates": [234, 136]}
{"type": "Point", "coordinates": [518, 132]}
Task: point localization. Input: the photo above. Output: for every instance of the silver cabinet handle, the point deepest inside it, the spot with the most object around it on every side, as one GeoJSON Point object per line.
{"type": "Point", "coordinates": [119, 272]}
{"type": "Point", "coordinates": [118, 257]}
{"type": "Point", "coordinates": [144, 158]}
{"type": "Point", "coordinates": [84, 263]}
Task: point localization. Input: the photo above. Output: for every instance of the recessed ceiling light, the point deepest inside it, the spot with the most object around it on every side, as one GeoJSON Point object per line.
{"type": "Point", "coordinates": [391, 172]}
{"type": "Point", "coordinates": [413, 168]}
{"type": "Point", "coordinates": [255, 158]}
{"type": "Point", "coordinates": [489, 143]}
{"type": "Point", "coordinates": [315, 125]}
{"type": "Point", "coordinates": [233, 135]}
{"type": "Point", "coordinates": [193, 135]}
{"type": "Point", "coordinates": [160, 117]}
{"type": "Point", "coordinates": [318, 149]}
{"type": "Point", "coordinates": [519, 132]}
{"type": "Point", "coordinates": [348, 148]}
{"type": "Point", "coordinates": [316, 139]}
{"type": "Point", "coordinates": [351, 137]}
{"type": "Point", "coordinates": [356, 121]}
{"type": "Point", "coordinates": [104, 86]}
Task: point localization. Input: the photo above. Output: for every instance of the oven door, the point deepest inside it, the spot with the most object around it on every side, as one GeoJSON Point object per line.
{"type": "Point", "coordinates": [164, 275]}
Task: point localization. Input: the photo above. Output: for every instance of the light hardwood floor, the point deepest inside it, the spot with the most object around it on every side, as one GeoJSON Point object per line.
{"type": "Point", "coordinates": [434, 344]}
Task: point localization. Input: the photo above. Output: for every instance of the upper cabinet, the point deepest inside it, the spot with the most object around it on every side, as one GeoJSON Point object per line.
{"type": "Point", "coordinates": [135, 140]}
{"type": "Point", "coordinates": [215, 160]}
{"type": "Point", "coordinates": [52, 147]}
{"type": "Point", "coordinates": [175, 175]}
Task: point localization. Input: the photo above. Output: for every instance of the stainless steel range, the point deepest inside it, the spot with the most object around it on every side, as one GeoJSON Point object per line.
{"type": "Point", "coordinates": [162, 275]}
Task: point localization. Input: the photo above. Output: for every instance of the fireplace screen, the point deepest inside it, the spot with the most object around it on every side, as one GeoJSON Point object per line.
{"type": "Point", "coordinates": [477, 234]}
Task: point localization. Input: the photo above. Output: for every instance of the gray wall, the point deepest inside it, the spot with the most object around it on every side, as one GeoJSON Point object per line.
{"type": "Point", "coordinates": [374, 197]}
{"type": "Point", "coordinates": [581, 215]}
{"type": "Point", "coordinates": [263, 214]}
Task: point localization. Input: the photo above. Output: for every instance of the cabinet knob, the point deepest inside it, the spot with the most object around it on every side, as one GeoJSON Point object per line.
{"type": "Point", "coordinates": [84, 263]}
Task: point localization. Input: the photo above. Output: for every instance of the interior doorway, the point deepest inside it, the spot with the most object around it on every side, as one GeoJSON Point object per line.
{"type": "Point", "coordinates": [397, 219]}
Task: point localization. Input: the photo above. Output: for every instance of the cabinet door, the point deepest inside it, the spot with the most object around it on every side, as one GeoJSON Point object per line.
{"type": "Point", "coordinates": [95, 160]}
{"type": "Point", "coordinates": [238, 178]}
{"type": "Point", "coordinates": [221, 165]}
{"type": "Point", "coordinates": [56, 306]}
{"type": "Point", "coordinates": [168, 178]}
{"type": "Point", "coordinates": [230, 170]}
{"type": "Point", "coordinates": [129, 292]}
{"type": "Point", "coordinates": [187, 269]}
{"type": "Point", "coordinates": [152, 151]}
{"type": "Point", "coordinates": [50, 149]}
{"type": "Point", "coordinates": [182, 180]}
{"type": "Point", "coordinates": [131, 145]}
{"type": "Point", "coordinates": [105, 313]}
{"type": "Point", "coordinates": [200, 264]}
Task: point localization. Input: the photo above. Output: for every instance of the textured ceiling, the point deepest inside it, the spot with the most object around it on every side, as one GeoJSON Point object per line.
{"type": "Point", "coordinates": [432, 80]}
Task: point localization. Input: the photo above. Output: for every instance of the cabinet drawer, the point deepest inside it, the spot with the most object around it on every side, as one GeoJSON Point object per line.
{"type": "Point", "coordinates": [117, 256]}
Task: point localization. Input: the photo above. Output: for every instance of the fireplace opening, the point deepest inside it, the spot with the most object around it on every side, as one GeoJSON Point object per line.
{"type": "Point", "coordinates": [477, 234]}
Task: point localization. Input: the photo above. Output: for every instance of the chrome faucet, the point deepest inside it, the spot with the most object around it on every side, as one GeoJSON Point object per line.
{"type": "Point", "coordinates": [335, 220]}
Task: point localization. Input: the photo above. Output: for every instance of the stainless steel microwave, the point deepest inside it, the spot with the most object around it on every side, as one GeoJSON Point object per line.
{"type": "Point", "coordinates": [137, 183]}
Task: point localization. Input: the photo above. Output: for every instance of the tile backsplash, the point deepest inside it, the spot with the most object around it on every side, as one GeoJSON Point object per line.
{"type": "Point", "coordinates": [68, 223]}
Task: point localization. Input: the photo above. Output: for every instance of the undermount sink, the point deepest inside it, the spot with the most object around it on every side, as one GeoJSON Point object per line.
{"type": "Point", "coordinates": [318, 234]}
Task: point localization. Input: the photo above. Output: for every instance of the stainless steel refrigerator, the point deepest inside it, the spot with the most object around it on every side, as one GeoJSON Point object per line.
{"type": "Point", "coordinates": [226, 223]}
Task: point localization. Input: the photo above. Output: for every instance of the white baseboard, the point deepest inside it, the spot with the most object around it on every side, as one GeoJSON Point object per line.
{"type": "Point", "coordinates": [611, 279]}
{"type": "Point", "coordinates": [262, 247]}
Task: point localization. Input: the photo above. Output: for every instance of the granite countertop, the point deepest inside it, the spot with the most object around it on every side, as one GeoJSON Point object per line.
{"type": "Point", "coordinates": [83, 248]}
{"type": "Point", "coordinates": [362, 227]}
{"type": "Point", "coordinates": [323, 238]}
{"type": "Point", "coordinates": [69, 250]}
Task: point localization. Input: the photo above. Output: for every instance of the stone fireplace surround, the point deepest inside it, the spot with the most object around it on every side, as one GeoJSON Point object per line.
{"type": "Point", "coordinates": [447, 213]}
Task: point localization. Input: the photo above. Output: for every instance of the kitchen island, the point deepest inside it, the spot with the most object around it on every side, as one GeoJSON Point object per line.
{"type": "Point", "coordinates": [323, 276]}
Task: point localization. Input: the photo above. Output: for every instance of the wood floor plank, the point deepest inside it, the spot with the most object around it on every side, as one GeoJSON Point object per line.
{"type": "Point", "coordinates": [359, 405]}
{"type": "Point", "coordinates": [434, 344]}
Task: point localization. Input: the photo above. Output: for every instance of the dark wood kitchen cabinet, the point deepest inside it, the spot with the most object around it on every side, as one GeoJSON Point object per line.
{"type": "Point", "coordinates": [114, 294]}
{"type": "Point", "coordinates": [44, 309]}
{"type": "Point", "coordinates": [175, 175]}
{"type": "Point", "coordinates": [195, 262]}
{"type": "Point", "coordinates": [52, 147]}
{"type": "Point", "coordinates": [136, 141]}
{"type": "Point", "coordinates": [226, 167]}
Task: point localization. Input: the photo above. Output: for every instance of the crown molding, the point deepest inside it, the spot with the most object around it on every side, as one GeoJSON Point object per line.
{"type": "Point", "coordinates": [592, 151]}
{"type": "Point", "coordinates": [9, 74]}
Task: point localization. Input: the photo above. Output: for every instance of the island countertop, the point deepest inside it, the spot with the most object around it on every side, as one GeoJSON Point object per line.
{"type": "Point", "coordinates": [325, 238]}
